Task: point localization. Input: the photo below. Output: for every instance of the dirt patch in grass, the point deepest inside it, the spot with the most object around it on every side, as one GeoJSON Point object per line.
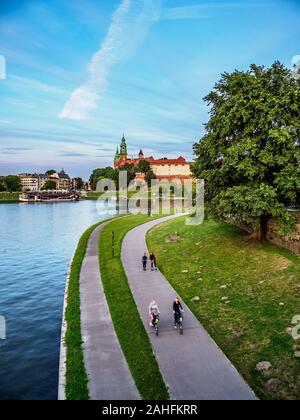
{"type": "Point", "coordinates": [281, 263]}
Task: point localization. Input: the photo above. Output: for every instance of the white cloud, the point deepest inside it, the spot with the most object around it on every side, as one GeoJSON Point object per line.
{"type": "Point", "coordinates": [296, 60]}
{"type": "Point", "coordinates": [36, 85]}
{"type": "Point", "coordinates": [200, 11]}
{"type": "Point", "coordinates": [130, 23]}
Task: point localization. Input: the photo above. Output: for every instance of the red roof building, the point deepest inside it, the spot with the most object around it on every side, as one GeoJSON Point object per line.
{"type": "Point", "coordinates": [163, 168]}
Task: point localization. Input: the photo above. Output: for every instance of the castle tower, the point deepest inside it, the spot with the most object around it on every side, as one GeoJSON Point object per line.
{"type": "Point", "coordinates": [141, 154]}
{"type": "Point", "coordinates": [117, 155]}
{"type": "Point", "coordinates": [123, 149]}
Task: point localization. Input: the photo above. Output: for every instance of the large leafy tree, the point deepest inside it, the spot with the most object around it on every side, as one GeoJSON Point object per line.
{"type": "Point", "coordinates": [51, 172]}
{"type": "Point", "coordinates": [101, 173]}
{"type": "Point", "coordinates": [12, 183]}
{"type": "Point", "coordinates": [149, 176]}
{"type": "Point", "coordinates": [250, 154]}
{"type": "Point", "coordinates": [143, 166]}
{"type": "Point", "coordinates": [79, 183]}
{"type": "Point", "coordinates": [2, 185]}
{"type": "Point", "coordinates": [131, 173]}
{"type": "Point", "coordinates": [49, 185]}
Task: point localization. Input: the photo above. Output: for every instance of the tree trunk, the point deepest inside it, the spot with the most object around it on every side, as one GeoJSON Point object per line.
{"type": "Point", "coordinates": [263, 230]}
{"type": "Point", "coordinates": [260, 234]}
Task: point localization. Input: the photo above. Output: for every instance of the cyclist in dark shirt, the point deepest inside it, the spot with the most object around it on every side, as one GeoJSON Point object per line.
{"type": "Point", "coordinates": [177, 310]}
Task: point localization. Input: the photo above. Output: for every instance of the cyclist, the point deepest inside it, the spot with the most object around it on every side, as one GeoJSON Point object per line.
{"type": "Point", "coordinates": [177, 310]}
{"type": "Point", "coordinates": [153, 312]}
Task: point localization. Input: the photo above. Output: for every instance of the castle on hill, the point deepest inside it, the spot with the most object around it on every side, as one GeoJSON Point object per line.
{"type": "Point", "coordinates": [163, 168]}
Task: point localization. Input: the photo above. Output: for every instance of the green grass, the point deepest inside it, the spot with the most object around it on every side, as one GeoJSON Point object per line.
{"type": "Point", "coordinates": [76, 378]}
{"type": "Point", "coordinates": [93, 195]}
{"type": "Point", "coordinates": [9, 197]}
{"type": "Point", "coordinates": [132, 335]}
{"type": "Point", "coordinates": [258, 278]}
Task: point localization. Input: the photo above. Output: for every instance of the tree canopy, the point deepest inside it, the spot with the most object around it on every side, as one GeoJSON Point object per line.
{"type": "Point", "coordinates": [49, 185]}
{"type": "Point", "coordinates": [101, 173]}
{"type": "Point", "coordinates": [2, 186]}
{"type": "Point", "coordinates": [11, 183]}
{"type": "Point", "coordinates": [110, 173]}
{"type": "Point", "coordinates": [131, 172]}
{"type": "Point", "coordinates": [250, 154]}
{"type": "Point", "coordinates": [149, 176]}
{"type": "Point", "coordinates": [143, 166]}
{"type": "Point", "coordinates": [79, 183]}
{"type": "Point", "coordinates": [50, 172]}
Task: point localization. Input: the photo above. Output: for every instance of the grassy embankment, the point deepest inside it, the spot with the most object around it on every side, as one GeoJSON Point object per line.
{"type": "Point", "coordinates": [93, 195]}
{"type": "Point", "coordinates": [76, 378]}
{"type": "Point", "coordinates": [130, 330]}
{"type": "Point", "coordinates": [248, 293]}
{"type": "Point", "coordinates": [6, 197]}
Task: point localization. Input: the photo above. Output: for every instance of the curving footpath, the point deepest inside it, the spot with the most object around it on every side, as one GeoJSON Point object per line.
{"type": "Point", "coordinates": [107, 370]}
{"type": "Point", "coordinates": [193, 366]}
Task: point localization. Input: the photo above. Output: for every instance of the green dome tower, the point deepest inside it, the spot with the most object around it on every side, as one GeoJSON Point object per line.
{"type": "Point", "coordinates": [117, 155]}
{"type": "Point", "coordinates": [123, 149]}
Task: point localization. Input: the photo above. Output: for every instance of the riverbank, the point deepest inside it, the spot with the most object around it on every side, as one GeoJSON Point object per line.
{"type": "Point", "coordinates": [133, 340]}
{"type": "Point", "coordinates": [6, 197]}
{"type": "Point", "coordinates": [245, 295]}
{"type": "Point", "coordinates": [73, 377]}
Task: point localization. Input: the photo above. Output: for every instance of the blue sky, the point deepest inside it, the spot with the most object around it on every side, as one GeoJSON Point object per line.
{"type": "Point", "coordinates": [81, 73]}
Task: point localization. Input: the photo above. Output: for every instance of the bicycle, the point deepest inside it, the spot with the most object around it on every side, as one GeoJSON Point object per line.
{"type": "Point", "coordinates": [155, 323]}
{"type": "Point", "coordinates": [179, 321]}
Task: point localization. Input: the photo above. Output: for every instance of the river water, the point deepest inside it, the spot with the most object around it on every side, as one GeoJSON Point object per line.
{"type": "Point", "coordinates": [37, 242]}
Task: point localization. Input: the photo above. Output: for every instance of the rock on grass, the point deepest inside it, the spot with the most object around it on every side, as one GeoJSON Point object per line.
{"type": "Point", "coordinates": [263, 366]}
{"type": "Point", "coordinates": [272, 384]}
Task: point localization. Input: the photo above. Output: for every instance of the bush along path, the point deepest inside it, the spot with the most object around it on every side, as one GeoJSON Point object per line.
{"type": "Point", "coordinates": [130, 330]}
{"type": "Point", "coordinates": [192, 365]}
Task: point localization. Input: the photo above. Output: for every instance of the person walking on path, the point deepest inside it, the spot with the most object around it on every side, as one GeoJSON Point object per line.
{"type": "Point", "coordinates": [153, 261]}
{"type": "Point", "coordinates": [144, 261]}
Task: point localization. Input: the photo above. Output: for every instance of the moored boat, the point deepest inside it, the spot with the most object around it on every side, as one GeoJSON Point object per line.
{"type": "Point", "coordinates": [49, 196]}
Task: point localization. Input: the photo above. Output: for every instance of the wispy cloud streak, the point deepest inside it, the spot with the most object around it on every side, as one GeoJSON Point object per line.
{"type": "Point", "coordinates": [130, 23]}
{"type": "Point", "coordinates": [201, 11]}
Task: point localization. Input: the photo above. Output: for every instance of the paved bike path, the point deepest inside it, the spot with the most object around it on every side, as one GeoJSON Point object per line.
{"type": "Point", "coordinates": [193, 366]}
{"type": "Point", "coordinates": [107, 370]}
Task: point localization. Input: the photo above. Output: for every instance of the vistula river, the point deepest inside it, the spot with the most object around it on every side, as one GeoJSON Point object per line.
{"type": "Point", "coordinates": [37, 242]}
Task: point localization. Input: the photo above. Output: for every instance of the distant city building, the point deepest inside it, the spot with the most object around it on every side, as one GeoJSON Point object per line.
{"type": "Point", "coordinates": [87, 186]}
{"type": "Point", "coordinates": [63, 181]}
{"type": "Point", "coordinates": [36, 182]}
{"type": "Point", "coordinates": [163, 168]}
{"type": "Point", "coordinates": [30, 182]}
